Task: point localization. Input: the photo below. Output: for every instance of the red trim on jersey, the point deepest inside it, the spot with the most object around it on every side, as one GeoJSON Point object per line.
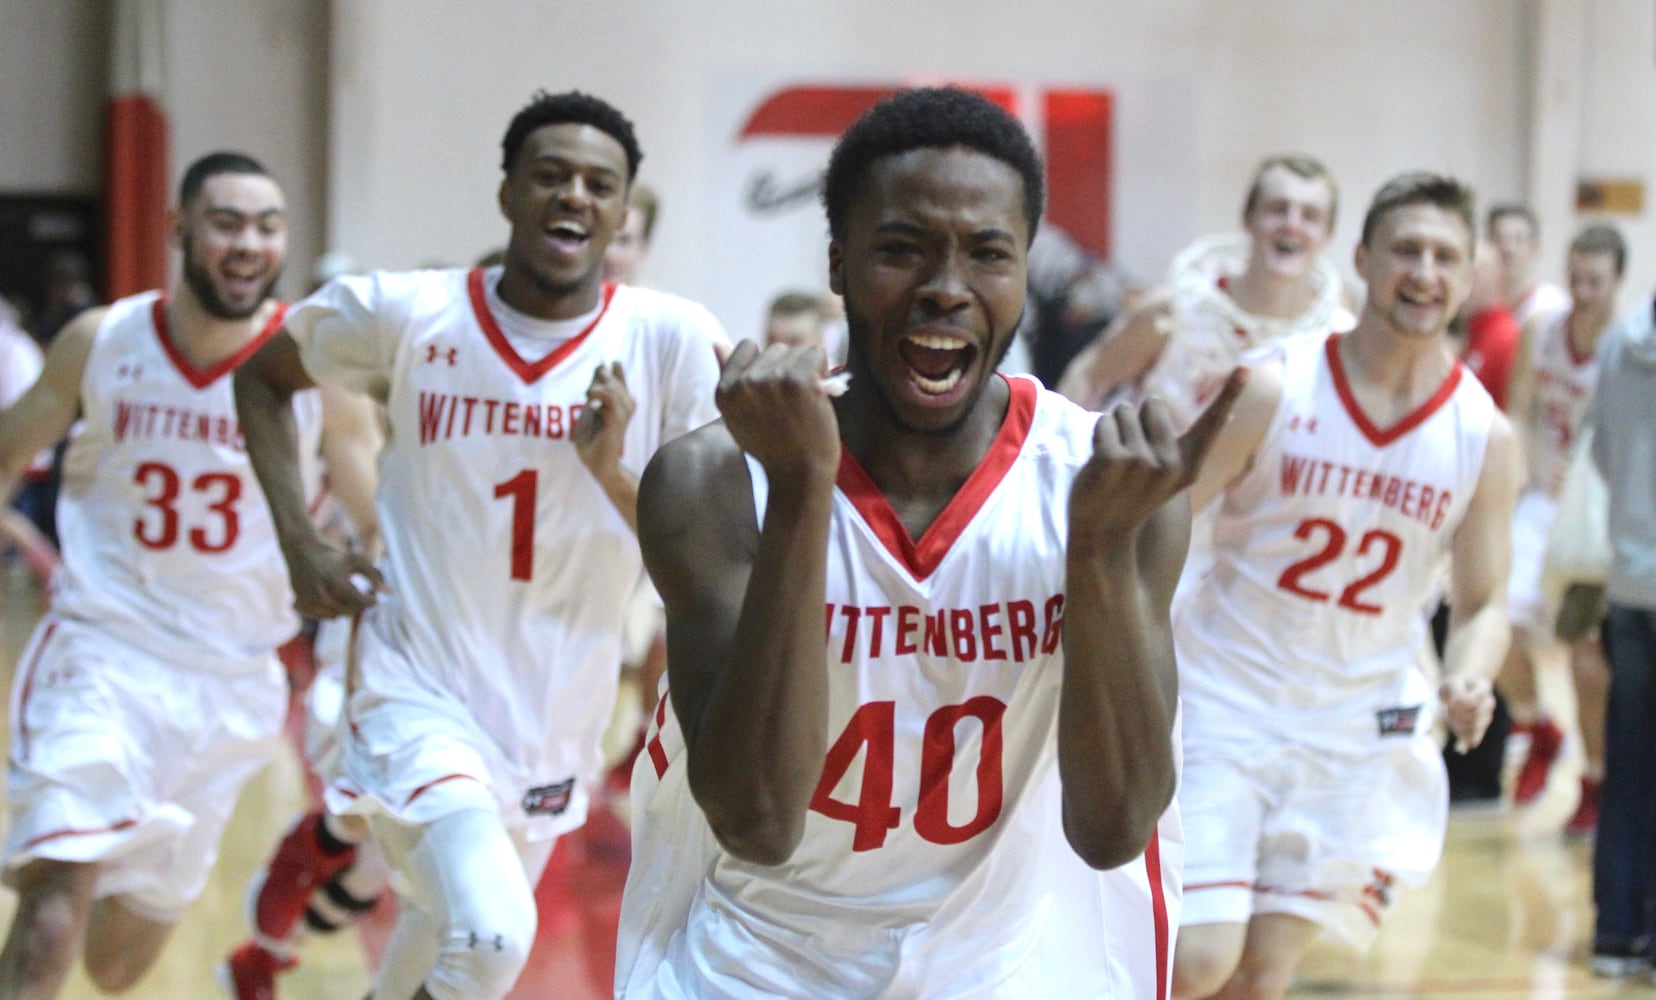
{"type": "Point", "coordinates": [658, 753]}
{"type": "Point", "coordinates": [1232, 884]}
{"type": "Point", "coordinates": [922, 557]}
{"type": "Point", "coordinates": [28, 688]}
{"type": "Point", "coordinates": [527, 371]}
{"type": "Point", "coordinates": [116, 827]}
{"type": "Point", "coordinates": [201, 378]}
{"type": "Point", "coordinates": [1158, 909]}
{"type": "Point", "coordinates": [1377, 437]}
{"type": "Point", "coordinates": [428, 786]}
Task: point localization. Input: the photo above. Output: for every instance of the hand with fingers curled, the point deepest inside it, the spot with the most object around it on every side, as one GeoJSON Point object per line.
{"type": "Point", "coordinates": [1469, 704]}
{"type": "Point", "coordinates": [332, 583]}
{"type": "Point", "coordinates": [601, 429]}
{"type": "Point", "coordinates": [777, 410]}
{"type": "Point", "coordinates": [1140, 462]}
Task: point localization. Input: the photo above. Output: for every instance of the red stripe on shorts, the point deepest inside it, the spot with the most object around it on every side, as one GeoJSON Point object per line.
{"type": "Point", "coordinates": [59, 834]}
{"type": "Point", "coordinates": [28, 689]}
{"type": "Point", "coordinates": [432, 784]}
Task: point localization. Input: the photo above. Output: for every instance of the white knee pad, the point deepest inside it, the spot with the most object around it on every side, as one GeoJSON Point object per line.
{"type": "Point", "coordinates": [472, 870]}
{"type": "Point", "coordinates": [481, 963]}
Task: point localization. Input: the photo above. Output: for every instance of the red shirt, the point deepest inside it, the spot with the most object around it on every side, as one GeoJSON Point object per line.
{"type": "Point", "coordinates": [1491, 342]}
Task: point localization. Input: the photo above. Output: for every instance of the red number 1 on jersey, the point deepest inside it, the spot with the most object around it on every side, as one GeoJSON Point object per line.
{"type": "Point", "coordinates": [521, 488]}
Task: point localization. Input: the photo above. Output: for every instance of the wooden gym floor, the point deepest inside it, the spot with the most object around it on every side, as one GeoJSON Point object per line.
{"type": "Point", "coordinates": [1508, 913]}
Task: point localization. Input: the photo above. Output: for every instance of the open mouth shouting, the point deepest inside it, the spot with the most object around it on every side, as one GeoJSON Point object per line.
{"type": "Point", "coordinates": [1287, 253]}
{"type": "Point", "coordinates": [568, 237]}
{"type": "Point", "coordinates": [936, 363]}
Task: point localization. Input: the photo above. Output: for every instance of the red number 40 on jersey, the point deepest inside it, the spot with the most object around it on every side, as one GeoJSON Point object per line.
{"type": "Point", "coordinates": [872, 730]}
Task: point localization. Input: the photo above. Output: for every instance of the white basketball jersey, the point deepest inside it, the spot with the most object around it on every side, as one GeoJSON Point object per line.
{"type": "Point", "coordinates": [1543, 299]}
{"type": "Point", "coordinates": [1326, 552]}
{"type": "Point", "coordinates": [933, 862]}
{"type": "Point", "coordinates": [1207, 332]}
{"type": "Point", "coordinates": [167, 540]}
{"type": "Point", "coordinates": [1564, 382]}
{"type": "Point", "coordinates": [508, 566]}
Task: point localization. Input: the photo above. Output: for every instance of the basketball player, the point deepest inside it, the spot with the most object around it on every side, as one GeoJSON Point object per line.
{"type": "Point", "coordinates": [907, 802]}
{"type": "Point", "coordinates": [1224, 295]}
{"type": "Point", "coordinates": [522, 403]}
{"type": "Point", "coordinates": [1552, 384]}
{"type": "Point", "coordinates": [149, 692]}
{"type": "Point", "coordinates": [1355, 462]}
{"type": "Point", "coordinates": [1516, 233]}
{"type": "Point", "coordinates": [631, 245]}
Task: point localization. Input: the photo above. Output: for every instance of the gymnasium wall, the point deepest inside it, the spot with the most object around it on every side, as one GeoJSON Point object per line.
{"type": "Point", "coordinates": [383, 117]}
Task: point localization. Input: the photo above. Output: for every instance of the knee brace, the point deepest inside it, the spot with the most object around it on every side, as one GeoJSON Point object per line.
{"type": "Point", "coordinates": [481, 962]}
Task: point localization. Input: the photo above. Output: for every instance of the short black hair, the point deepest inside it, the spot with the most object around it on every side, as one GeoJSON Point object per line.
{"type": "Point", "coordinates": [1422, 188]}
{"type": "Point", "coordinates": [211, 165]}
{"type": "Point", "coordinates": [929, 118]}
{"type": "Point", "coordinates": [570, 107]}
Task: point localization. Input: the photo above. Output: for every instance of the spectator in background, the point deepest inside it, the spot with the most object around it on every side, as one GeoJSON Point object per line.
{"type": "Point", "coordinates": [1516, 233]}
{"type": "Point", "coordinates": [795, 319]}
{"type": "Point", "coordinates": [68, 293]}
{"type": "Point", "coordinates": [627, 252]}
{"type": "Point", "coordinates": [1624, 449]}
{"type": "Point", "coordinates": [1073, 297]}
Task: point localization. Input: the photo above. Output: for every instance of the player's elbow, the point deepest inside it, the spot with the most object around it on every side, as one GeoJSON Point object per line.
{"type": "Point", "coordinates": [1109, 835]}
{"type": "Point", "coordinates": [759, 840]}
{"type": "Point", "coordinates": [749, 823]}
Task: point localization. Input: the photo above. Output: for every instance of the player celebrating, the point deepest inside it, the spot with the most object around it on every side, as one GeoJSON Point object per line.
{"type": "Point", "coordinates": [150, 691]}
{"type": "Point", "coordinates": [522, 402]}
{"type": "Point", "coordinates": [1354, 464]}
{"type": "Point", "coordinates": [906, 802]}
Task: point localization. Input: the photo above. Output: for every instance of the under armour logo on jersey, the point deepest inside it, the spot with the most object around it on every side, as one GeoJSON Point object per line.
{"type": "Point", "coordinates": [1296, 422]}
{"type": "Point", "coordinates": [126, 371]}
{"type": "Point", "coordinates": [433, 353]}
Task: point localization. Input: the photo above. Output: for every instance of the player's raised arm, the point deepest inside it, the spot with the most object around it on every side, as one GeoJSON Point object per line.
{"type": "Point", "coordinates": [1129, 528]}
{"type": "Point", "coordinates": [320, 574]}
{"type": "Point", "coordinates": [745, 644]}
{"type": "Point", "coordinates": [1118, 356]}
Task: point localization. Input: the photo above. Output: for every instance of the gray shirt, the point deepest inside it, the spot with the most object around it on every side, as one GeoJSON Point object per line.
{"type": "Point", "coordinates": [1624, 449]}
